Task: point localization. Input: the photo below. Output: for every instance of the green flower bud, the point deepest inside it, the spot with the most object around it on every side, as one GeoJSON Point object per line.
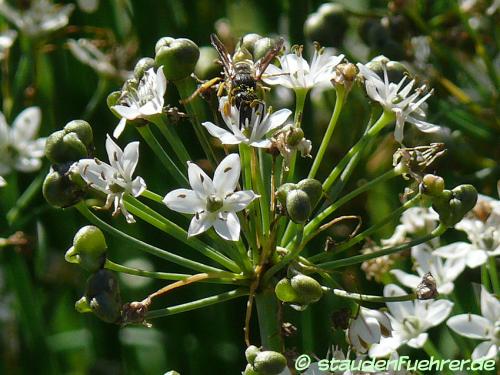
{"type": "Point", "coordinates": [453, 205]}
{"type": "Point", "coordinates": [207, 67]}
{"type": "Point", "coordinates": [307, 288]}
{"type": "Point", "coordinates": [282, 192]}
{"type": "Point", "coordinates": [250, 353]}
{"type": "Point", "coordinates": [249, 370]}
{"type": "Point", "coordinates": [178, 57]}
{"type": "Point", "coordinates": [103, 296]}
{"type": "Point", "coordinates": [269, 363]}
{"type": "Point", "coordinates": [62, 147]}
{"type": "Point", "coordinates": [285, 292]}
{"type": "Point", "coordinates": [112, 100]}
{"type": "Point", "coordinates": [327, 26]}
{"type": "Point", "coordinates": [142, 65]}
{"type": "Point", "coordinates": [395, 70]}
{"type": "Point", "coordinates": [432, 185]}
{"type": "Point", "coordinates": [83, 130]}
{"type": "Point", "coordinates": [298, 206]}
{"type": "Point", "coordinates": [295, 136]}
{"type": "Point", "coordinates": [59, 191]}
{"type": "Point", "coordinates": [242, 54]}
{"type": "Point", "coordinates": [262, 46]}
{"type": "Point", "coordinates": [312, 188]}
{"type": "Point", "coordinates": [248, 42]}
{"type": "Point", "coordinates": [89, 249]}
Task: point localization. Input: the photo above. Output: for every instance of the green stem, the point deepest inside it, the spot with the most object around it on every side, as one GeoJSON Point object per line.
{"type": "Point", "coordinates": [269, 321]}
{"type": "Point", "coordinates": [391, 250]}
{"type": "Point", "coordinates": [204, 302]}
{"type": "Point", "coordinates": [431, 350]}
{"type": "Point", "coordinates": [485, 278]}
{"type": "Point", "coordinates": [152, 196]}
{"type": "Point", "coordinates": [167, 162]}
{"type": "Point", "coordinates": [26, 197]}
{"type": "Point", "coordinates": [101, 91]}
{"type": "Point", "coordinates": [300, 100]}
{"type": "Point", "coordinates": [369, 298]}
{"type": "Point", "coordinates": [262, 191]}
{"type": "Point", "coordinates": [492, 268]}
{"type": "Point", "coordinates": [191, 264]}
{"type": "Point", "coordinates": [339, 102]}
{"type": "Point", "coordinates": [172, 138]}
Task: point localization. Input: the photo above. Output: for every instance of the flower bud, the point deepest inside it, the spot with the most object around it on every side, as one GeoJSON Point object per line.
{"type": "Point", "coordinates": [249, 370]}
{"type": "Point", "coordinates": [283, 190]}
{"type": "Point", "coordinates": [262, 46]}
{"type": "Point", "coordinates": [207, 67]}
{"type": "Point", "coordinates": [307, 288]}
{"type": "Point", "coordinates": [395, 70]}
{"type": "Point", "coordinates": [103, 296]}
{"type": "Point", "coordinates": [295, 136]}
{"type": "Point", "coordinates": [432, 185]}
{"type": "Point", "coordinates": [89, 249]}
{"type": "Point", "coordinates": [298, 206]}
{"type": "Point", "coordinates": [62, 147]}
{"type": "Point", "coordinates": [83, 130]}
{"type": "Point", "coordinates": [59, 191]}
{"type": "Point", "coordinates": [248, 42]}
{"type": "Point", "coordinates": [453, 205]}
{"type": "Point", "coordinates": [312, 188]}
{"type": "Point", "coordinates": [250, 353]}
{"type": "Point", "coordinates": [285, 292]}
{"type": "Point", "coordinates": [142, 65]}
{"type": "Point", "coordinates": [177, 56]}
{"type": "Point", "coordinates": [327, 26]}
{"type": "Point", "coordinates": [269, 363]}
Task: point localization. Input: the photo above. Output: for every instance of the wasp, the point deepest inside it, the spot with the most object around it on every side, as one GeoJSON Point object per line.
{"type": "Point", "coordinates": [241, 78]}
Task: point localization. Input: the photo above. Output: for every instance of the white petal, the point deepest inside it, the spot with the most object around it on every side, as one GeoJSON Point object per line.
{"type": "Point", "coordinates": [278, 118]}
{"type": "Point", "coordinates": [490, 306]}
{"type": "Point", "coordinates": [228, 227]}
{"type": "Point", "coordinates": [199, 181]}
{"type": "Point", "coordinates": [120, 127]}
{"type": "Point", "coordinates": [386, 346]}
{"type": "Point", "coordinates": [26, 125]}
{"type": "Point", "coordinates": [470, 325]}
{"type": "Point", "coordinates": [151, 108]}
{"type": "Point", "coordinates": [2, 181]}
{"type": "Point", "coordinates": [138, 186]}
{"type": "Point", "coordinates": [227, 174]}
{"type": "Point", "coordinates": [225, 137]}
{"type": "Point", "coordinates": [485, 350]}
{"type": "Point", "coordinates": [433, 312]}
{"type": "Point", "coordinates": [239, 200]}
{"type": "Point", "coordinates": [400, 310]}
{"type": "Point", "coordinates": [130, 159]}
{"type": "Point", "coordinates": [185, 201]}
{"type": "Point", "coordinates": [115, 154]}
{"type": "Point", "coordinates": [453, 250]}
{"type": "Point", "coordinates": [27, 165]}
{"type": "Point", "coordinates": [476, 258]}
{"type": "Point", "coordinates": [200, 223]}
{"type": "Point", "coordinates": [161, 82]}
{"type": "Point", "coordinates": [96, 175]}
{"type": "Point", "coordinates": [418, 341]}
{"type": "Point", "coordinates": [129, 113]}
{"type": "Point", "coordinates": [409, 280]}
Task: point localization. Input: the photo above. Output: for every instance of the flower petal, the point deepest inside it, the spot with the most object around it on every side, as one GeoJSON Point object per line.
{"type": "Point", "coordinates": [120, 127]}
{"type": "Point", "coordinates": [408, 280]}
{"type": "Point", "coordinates": [130, 113]}
{"type": "Point", "coordinates": [228, 227]}
{"type": "Point", "coordinates": [227, 174]}
{"type": "Point", "coordinates": [199, 181]}
{"type": "Point", "coordinates": [185, 201]}
{"type": "Point", "coordinates": [201, 223]}
{"type": "Point", "coordinates": [137, 186]}
{"type": "Point", "coordinates": [490, 306]}
{"type": "Point", "coordinates": [400, 310]}
{"type": "Point", "coordinates": [129, 159]}
{"type": "Point", "coordinates": [485, 350]}
{"type": "Point", "coordinates": [26, 125]}
{"type": "Point", "coordinates": [239, 200]}
{"type": "Point", "coordinates": [225, 137]}
{"type": "Point", "coordinates": [471, 326]}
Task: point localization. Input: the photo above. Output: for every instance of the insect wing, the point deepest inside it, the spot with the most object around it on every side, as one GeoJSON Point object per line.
{"type": "Point", "coordinates": [263, 63]}
{"type": "Point", "coordinates": [225, 57]}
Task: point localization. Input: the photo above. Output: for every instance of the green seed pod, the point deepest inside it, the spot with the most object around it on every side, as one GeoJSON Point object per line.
{"type": "Point", "coordinates": [285, 292]}
{"type": "Point", "coordinates": [177, 56]}
{"type": "Point", "coordinates": [207, 67]}
{"type": "Point", "coordinates": [59, 191]}
{"type": "Point", "coordinates": [327, 26]}
{"type": "Point", "coordinates": [103, 296]}
{"type": "Point", "coordinates": [62, 147]}
{"type": "Point", "coordinates": [89, 249]}
{"type": "Point", "coordinates": [307, 288]}
{"type": "Point", "coordinates": [249, 370]}
{"type": "Point", "coordinates": [142, 66]}
{"type": "Point", "coordinates": [453, 205]}
{"type": "Point", "coordinates": [248, 42]}
{"type": "Point", "coordinates": [269, 363]}
{"type": "Point", "coordinates": [395, 70]}
{"type": "Point", "coordinates": [83, 130]}
{"type": "Point", "coordinates": [295, 136]}
{"type": "Point", "coordinates": [250, 353]}
{"type": "Point", "coordinates": [298, 206]}
{"type": "Point", "coordinates": [432, 185]}
{"type": "Point", "coordinates": [262, 46]}
{"type": "Point", "coordinates": [312, 188]}
{"type": "Point", "coordinates": [283, 190]}
{"type": "Point", "coordinates": [373, 33]}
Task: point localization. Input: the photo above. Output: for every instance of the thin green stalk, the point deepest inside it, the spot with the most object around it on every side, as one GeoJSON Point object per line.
{"type": "Point", "coordinates": [26, 197]}
{"type": "Point", "coordinates": [485, 278]}
{"type": "Point", "coordinates": [369, 298]}
{"type": "Point", "coordinates": [391, 250]}
{"type": "Point", "coordinates": [172, 138]}
{"type": "Point", "coordinates": [262, 191]}
{"type": "Point", "coordinates": [167, 162]}
{"type": "Point", "coordinates": [110, 265]}
{"type": "Point", "coordinates": [152, 196]}
{"type": "Point", "coordinates": [101, 91]}
{"type": "Point", "coordinates": [300, 100]}
{"type": "Point", "coordinates": [269, 320]}
{"type": "Point", "coordinates": [495, 282]}
{"type": "Point", "coordinates": [204, 302]}
{"type": "Point", "coordinates": [191, 264]}
{"type": "Point", "coordinates": [361, 236]}
{"type": "Point", "coordinates": [150, 216]}
{"type": "Point", "coordinates": [339, 102]}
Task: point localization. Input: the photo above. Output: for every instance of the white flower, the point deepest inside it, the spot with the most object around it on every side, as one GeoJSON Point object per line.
{"type": "Point", "coordinates": [295, 72]}
{"type": "Point", "coordinates": [368, 328]}
{"type": "Point", "coordinates": [444, 272]}
{"type": "Point", "coordinates": [252, 131]}
{"type": "Point", "coordinates": [482, 226]}
{"type": "Point", "coordinates": [42, 17]}
{"type": "Point", "coordinates": [115, 180]}
{"type": "Point", "coordinates": [7, 38]}
{"type": "Point", "coordinates": [485, 327]}
{"type": "Point", "coordinates": [410, 321]}
{"type": "Point", "coordinates": [396, 99]}
{"type": "Point", "coordinates": [19, 149]}
{"type": "Point", "coordinates": [143, 101]}
{"type": "Point", "coordinates": [2, 181]}
{"type": "Point", "coordinates": [414, 221]}
{"type": "Point", "coordinates": [213, 203]}
{"type": "Point", "coordinates": [87, 53]}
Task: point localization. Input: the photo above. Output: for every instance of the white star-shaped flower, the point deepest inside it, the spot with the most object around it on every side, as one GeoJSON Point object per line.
{"type": "Point", "coordinates": [144, 101]}
{"type": "Point", "coordinates": [251, 131]}
{"type": "Point", "coordinates": [213, 203]}
{"type": "Point", "coordinates": [410, 321]}
{"type": "Point", "coordinates": [115, 180]}
{"type": "Point", "coordinates": [484, 327]}
{"type": "Point", "coordinates": [296, 73]}
{"type": "Point", "coordinates": [444, 272]}
{"type": "Point", "coordinates": [19, 148]}
{"type": "Point", "coordinates": [368, 328]}
{"type": "Point", "coordinates": [415, 221]}
{"type": "Point", "coordinates": [42, 17]}
{"type": "Point", "coordinates": [398, 99]}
